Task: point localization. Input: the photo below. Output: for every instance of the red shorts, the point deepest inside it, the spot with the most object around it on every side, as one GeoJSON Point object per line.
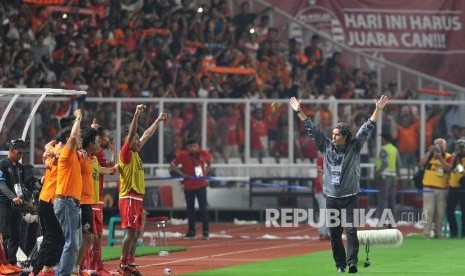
{"type": "Point", "coordinates": [130, 209]}
{"type": "Point", "coordinates": [97, 215]}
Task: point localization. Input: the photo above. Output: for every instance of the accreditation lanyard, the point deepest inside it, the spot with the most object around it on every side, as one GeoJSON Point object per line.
{"type": "Point", "coordinates": [15, 172]}
{"type": "Point", "coordinates": [197, 167]}
{"type": "Point", "coordinates": [336, 167]}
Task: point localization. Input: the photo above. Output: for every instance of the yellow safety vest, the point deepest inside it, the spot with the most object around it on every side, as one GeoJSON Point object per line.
{"type": "Point", "coordinates": [391, 151]}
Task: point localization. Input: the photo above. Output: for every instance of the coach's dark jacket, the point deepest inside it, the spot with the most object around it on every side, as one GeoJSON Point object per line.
{"type": "Point", "coordinates": [350, 155]}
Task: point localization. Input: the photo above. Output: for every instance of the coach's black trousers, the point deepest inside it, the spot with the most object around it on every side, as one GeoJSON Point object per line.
{"type": "Point", "coordinates": [348, 204]}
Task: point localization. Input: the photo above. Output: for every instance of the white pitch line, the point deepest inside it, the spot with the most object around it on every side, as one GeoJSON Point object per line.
{"type": "Point", "coordinates": [226, 230]}
{"type": "Point", "coordinates": [238, 228]}
{"type": "Point", "coordinates": [220, 255]}
{"type": "Point", "coordinates": [221, 260]}
{"type": "Point", "coordinates": [252, 241]}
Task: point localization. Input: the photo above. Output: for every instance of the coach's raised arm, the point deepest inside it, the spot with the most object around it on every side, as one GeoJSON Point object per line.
{"type": "Point", "coordinates": [380, 104]}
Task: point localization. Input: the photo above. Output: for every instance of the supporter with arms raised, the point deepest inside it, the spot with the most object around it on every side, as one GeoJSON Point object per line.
{"type": "Point", "coordinates": [53, 238]}
{"type": "Point", "coordinates": [132, 189]}
{"type": "Point", "coordinates": [68, 196]}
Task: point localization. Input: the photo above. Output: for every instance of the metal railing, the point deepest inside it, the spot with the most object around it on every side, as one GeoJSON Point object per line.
{"type": "Point", "coordinates": [155, 151]}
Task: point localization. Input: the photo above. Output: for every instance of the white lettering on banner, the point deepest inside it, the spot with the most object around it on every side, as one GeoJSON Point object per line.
{"type": "Point", "coordinates": [407, 40]}
{"type": "Point", "coordinates": [416, 40]}
{"type": "Point", "coordinates": [372, 39]}
{"type": "Point", "coordinates": [435, 23]}
{"type": "Point", "coordinates": [407, 31]}
{"type": "Point", "coordinates": [363, 21]}
{"type": "Point", "coordinates": [421, 22]}
{"type": "Point", "coordinates": [406, 34]}
{"type": "Point", "coordinates": [396, 22]}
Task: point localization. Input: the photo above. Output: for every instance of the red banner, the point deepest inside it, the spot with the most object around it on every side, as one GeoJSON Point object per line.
{"type": "Point", "coordinates": [425, 35]}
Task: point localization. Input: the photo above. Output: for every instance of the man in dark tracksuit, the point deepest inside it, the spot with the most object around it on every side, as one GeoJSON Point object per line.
{"type": "Point", "coordinates": [341, 178]}
{"type": "Point", "coordinates": [12, 190]}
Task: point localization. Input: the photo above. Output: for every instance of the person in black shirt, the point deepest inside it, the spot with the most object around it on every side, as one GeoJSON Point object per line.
{"type": "Point", "coordinates": [245, 18]}
{"type": "Point", "coordinates": [12, 191]}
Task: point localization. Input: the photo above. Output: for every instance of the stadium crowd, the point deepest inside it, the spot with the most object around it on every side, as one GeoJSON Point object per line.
{"type": "Point", "coordinates": [177, 49]}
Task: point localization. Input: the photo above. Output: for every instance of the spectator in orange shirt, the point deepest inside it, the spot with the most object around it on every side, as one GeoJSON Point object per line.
{"type": "Point", "coordinates": [90, 146]}
{"type": "Point", "coordinates": [228, 130]}
{"type": "Point", "coordinates": [90, 173]}
{"type": "Point", "coordinates": [178, 124]}
{"type": "Point", "coordinates": [315, 54]}
{"type": "Point", "coordinates": [408, 128]}
{"type": "Point", "coordinates": [53, 238]}
{"type": "Point", "coordinates": [259, 134]}
{"type": "Point", "coordinates": [67, 198]}
{"type": "Point", "coordinates": [435, 115]}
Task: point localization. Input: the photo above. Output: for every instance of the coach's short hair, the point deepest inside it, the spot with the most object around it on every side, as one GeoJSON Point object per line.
{"type": "Point", "coordinates": [345, 130]}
